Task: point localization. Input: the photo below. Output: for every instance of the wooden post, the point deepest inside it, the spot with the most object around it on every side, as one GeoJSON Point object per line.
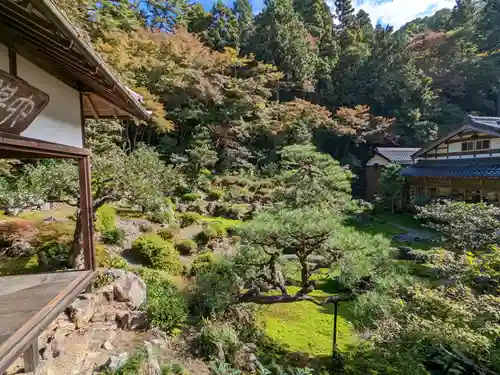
{"type": "Point", "coordinates": [31, 357]}
{"type": "Point", "coordinates": [87, 214]}
{"type": "Point", "coordinates": [425, 187]}
{"type": "Point", "coordinates": [481, 193]}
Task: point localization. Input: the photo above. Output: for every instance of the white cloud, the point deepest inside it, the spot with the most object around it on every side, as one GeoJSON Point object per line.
{"type": "Point", "coordinates": [399, 12]}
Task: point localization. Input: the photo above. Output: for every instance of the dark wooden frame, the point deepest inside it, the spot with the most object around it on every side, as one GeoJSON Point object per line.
{"type": "Point", "coordinates": [25, 339]}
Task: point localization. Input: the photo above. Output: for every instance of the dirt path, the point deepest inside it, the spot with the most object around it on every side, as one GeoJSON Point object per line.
{"type": "Point", "coordinates": [420, 233]}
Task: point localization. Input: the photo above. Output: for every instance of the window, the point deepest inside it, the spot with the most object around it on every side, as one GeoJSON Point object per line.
{"type": "Point", "coordinates": [483, 144]}
{"type": "Point", "coordinates": [468, 146]}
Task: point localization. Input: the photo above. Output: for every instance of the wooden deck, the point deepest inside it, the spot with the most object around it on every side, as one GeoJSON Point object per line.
{"type": "Point", "coordinates": [29, 303]}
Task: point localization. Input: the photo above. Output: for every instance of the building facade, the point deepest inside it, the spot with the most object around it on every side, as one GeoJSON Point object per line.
{"type": "Point", "coordinates": [463, 165]}
{"type": "Point", "coordinates": [384, 156]}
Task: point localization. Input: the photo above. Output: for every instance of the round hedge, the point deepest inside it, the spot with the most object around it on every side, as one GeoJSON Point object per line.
{"type": "Point", "coordinates": [186, 247]}
{"type": "Point", "coordinates": [157, 253]}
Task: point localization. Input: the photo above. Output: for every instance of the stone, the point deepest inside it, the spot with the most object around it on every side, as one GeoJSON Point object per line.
{"type": "Point", "coordinates": [108, 346]}
{"type": "Point", "coordinates": [154, 367]}
{"type": "Point", "coordinates": [80, 312]}
{"type": "Point", "coordinates": [130, 289]}
{"type": "Point", "coordinates": [117, 273]}
{"type": "Point", "coordinates": [57, 344]}
{"type": "Point", "coordinates": [50, 219]}
{"type": "Point", "coordinates": [116, 361]}
{"type": "Point", "coordinates": [134, 320]}
{"type": "Point", "coordinates": [46, 352]}
{"type": "Point", "coordinates": [137, 320]}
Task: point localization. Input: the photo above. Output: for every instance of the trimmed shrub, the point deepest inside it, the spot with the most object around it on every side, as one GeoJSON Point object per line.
{"type": "Point", "coordinates": [189, 218]}
{"type": "Point", "coordinates": [191, 197]}
{"type": "Point", "coordinates": [205, 172]}
{"type": "Point", "coordinates": [219, 229]}
{"type": "Point", "coordinates": [167, 233]}
{"type": "Point", "coordinates": [216, 194]}
{"type": "Point", "coordinates": [205, 236]}
{"type": "Point", "coordinates": [201, 263]}
{"type": "Point", "coordinates": [157, 253]}
{"type": "Point", "coordinates": [186, 247]}
{"type": "Point", "coordinates": [106, 260]}
{"type": "Point", "coordinates": [166, 306]}
{"type": "Point", "coordinates": [216, 338]}
{"type": "Point", "coordinates": [106, 218]}
{"type": "Point", "coordinates": [113, 237]}
{"type": "Point", "coordinates": [215, 289]}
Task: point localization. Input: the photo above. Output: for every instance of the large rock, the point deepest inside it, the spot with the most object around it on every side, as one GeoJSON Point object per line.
{"type": "Point", "coordinates": [135, 320]}
{"type": "Point", "coordinates": [116, 361]}
{"type": "Point", "coordinates": [80, 312]}
{"type": "Point", "coordinates": [131, 289]}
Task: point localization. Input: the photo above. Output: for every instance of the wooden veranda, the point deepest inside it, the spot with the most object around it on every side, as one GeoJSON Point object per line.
{"type": "Point", "coordinates": [28, 303]}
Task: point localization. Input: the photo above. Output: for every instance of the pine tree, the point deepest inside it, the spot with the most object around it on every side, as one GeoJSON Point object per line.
{"type": "Point", "coordinates": [282, 39]}
{"type": "Point", "coordinates": [242, 10]}
{"type": "Point", "coordinates": [344, 12]}
{"type": "Point", "coordinates": [223, 29]}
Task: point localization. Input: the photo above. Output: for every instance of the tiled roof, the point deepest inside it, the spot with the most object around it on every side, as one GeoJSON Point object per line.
{"type": "Point", "coordinates": [494, 122]}
{"type": "Point", "coordinates": [397, 154]}
{"type": "Point", "coordinates": [466, 168]}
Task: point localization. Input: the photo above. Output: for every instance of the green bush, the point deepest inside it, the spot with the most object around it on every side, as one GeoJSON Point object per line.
{"type": "Point", "coordinates": [189, 218]}
{"type": "Point", "coordinates": [157, 253]}
{"type": "Point", "coordinates": [167, 233]}
{"type": "Point", "coordinates": [215, 289]}
{"type": "Point", "coordinates": [106, 218]}
{"type": "Point", "coordinates": [191, 197]}
{"type": "Point", "coordinates": [56, 253]}
{"type": "Point", "coordinates": [216, 194]}
{"type": "Point", "coordinates": [113, 237]}
{"type": "Point", "coordinates": [205, 172]}
{"type": "Point", "coordinates": [106, 260]}
{"type": "Point", "coordinates": [219, 229]}
{"type": "Point", "coordinates": [186, 247]}
{"type": "Point", "coordinates": [216, 338]}
{"type": "Point", "coordinates": [201, 263]}
{"type": "Point", "coordinates": [166, 306]}
{"type": "Point", "coordinates": [205, 236]}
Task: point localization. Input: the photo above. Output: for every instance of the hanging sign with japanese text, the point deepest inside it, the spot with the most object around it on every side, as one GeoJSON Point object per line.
{"type": "Point", "coordinates": [20, 103]}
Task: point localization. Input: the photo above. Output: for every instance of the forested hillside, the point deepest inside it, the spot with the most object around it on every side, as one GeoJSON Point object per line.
{"type": "Point", "coordinates": [225, 92]}
{"type": "Point", "coordinates": [235, 200]}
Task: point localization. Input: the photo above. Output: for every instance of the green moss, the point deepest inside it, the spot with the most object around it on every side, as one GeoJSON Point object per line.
{"type": "Point", "coordinates": [305, 327]}
{"type": "Point", "coordinates": [106, 260]}
{"type": "Point", "coordinates": [191, 197]}
{"type": "Point", "coordinates": [59, 231]}
{"type": "Point", "coordinates": [19, 266]}
{"type": "Point", "coordinates": [106, 218]}
{"type": "Point", "coordinates": [228, 224]}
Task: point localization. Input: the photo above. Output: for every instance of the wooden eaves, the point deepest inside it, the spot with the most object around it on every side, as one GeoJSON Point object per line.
{"type": "Point", "coordinates": [38, 31]}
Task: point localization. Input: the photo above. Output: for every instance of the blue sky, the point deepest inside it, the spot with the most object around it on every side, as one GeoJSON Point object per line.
{"type": "Point", "coordinates": [393, 12]}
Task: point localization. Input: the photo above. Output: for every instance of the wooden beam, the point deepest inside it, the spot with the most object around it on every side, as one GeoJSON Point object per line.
{"type": "Point", "coordinates": [31, 357]}
{"type": "Point", "coordinates": [92, 106]}
{"type": "Point", "coordinates": [87, 214]}
{"type": "Point", "coordinates": [12, 62]}
{"type": "Point", "coordinates": [481, 193]}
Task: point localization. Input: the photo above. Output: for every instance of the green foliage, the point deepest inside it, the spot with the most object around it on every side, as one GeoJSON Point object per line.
{"type": "Point", "coordinates": [189, 218]}
{"type": "Point", "coordinates": [106, 218]}
{"type": "Point", "coordinates": [191, 197]}
{"type": "Point", "coordinates": [464, 227]}
{"type": "Point", "coordinates": [167, 233]}
{"type": "Point", "coordinates": [106, 260]}
{"type": "Point", "coordinates": [218, 337]}
{"type": "Point", "coordinates": [186, 247]}
{"type": "Point", "coordinates": [115, 236]}
{"type": "Point", "coordinates": [157, 253]}
{"type": "Point", "coordinates": [56, 253]}
{"type": "Point", "coordinates": [132, 366]}
{"type": "Point", "coordinates": [391, 185]}
{"type": "Point", "coordinates": [216, 288]}
{"type": "Point", "coordinates": [201, 263]}
{"type": "Point", "coordinates": [166, 306]}
{"type": "Point", "coordinates": [216, 194]}
{"type": "Point", "coordinates": [310, 177]}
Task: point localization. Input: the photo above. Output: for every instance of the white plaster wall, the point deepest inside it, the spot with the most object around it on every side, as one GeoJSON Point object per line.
{"type": "Point", "coordinates": [455, 147]}
{"type": "Point", "coordinates": [377, 159]}
{"type": "Point", "coordinates": [60, 121]}
{"type": "Point", "coordinates": [495, 143]}
{"type": "Point", "coordinates": [4, 58]}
